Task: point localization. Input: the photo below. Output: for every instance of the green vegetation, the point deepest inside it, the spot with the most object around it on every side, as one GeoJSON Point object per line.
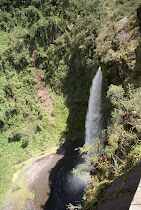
{"type": "Point", "coordinates": [66, 40]}
{"type": "Point", "coordinates": [122, 137]}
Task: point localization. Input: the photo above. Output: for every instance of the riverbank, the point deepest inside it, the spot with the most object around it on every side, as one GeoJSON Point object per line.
{"type": "Point", "coordinates": [31, 183]}
{"type": "Point", "coordinates": [38, 180]}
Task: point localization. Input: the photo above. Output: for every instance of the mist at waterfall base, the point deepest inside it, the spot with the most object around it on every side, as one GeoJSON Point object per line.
{"type": "Point", "coordinates": [67, 188]}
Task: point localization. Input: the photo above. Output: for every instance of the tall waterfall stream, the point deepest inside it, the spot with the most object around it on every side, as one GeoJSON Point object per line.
{"type": "Point", "coordinates": [65, 187]}
{"type": "Point", "coordinates": [92, 125]}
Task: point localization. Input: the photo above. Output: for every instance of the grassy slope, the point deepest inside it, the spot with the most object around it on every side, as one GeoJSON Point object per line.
{"type": "Point", "coordinates": [25, 127]}
{"type": "Point", "coordinates": [27, 137]}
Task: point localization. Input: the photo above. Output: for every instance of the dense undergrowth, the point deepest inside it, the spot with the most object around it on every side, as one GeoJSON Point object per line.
{"type": "Point", "coordinates": [122, 142]}
{"type": "Point", "coordinates": [64, 39]}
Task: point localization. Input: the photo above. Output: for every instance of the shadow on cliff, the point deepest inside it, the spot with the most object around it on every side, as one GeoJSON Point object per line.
{"type": "Point", "coordinates": [76, 88]}
{"type": "Point", "coordinates": [136, 76]}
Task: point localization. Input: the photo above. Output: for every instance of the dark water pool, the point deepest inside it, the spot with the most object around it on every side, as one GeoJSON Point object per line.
{"type": "Point", "coordinates": [65, 187]}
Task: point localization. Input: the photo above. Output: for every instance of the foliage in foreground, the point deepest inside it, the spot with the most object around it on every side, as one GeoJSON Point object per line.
{"type": "Point", "coordinates": [122, 138]}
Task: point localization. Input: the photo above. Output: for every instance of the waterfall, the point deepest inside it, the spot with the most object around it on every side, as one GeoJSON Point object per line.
{"type": "Point", "coordinates": [92, 124]}
{"type": "Point", "coordinates": [92, 131]}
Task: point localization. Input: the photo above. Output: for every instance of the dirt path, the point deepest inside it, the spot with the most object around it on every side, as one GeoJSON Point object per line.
{"type": "Point", "coordinates": [44, 99]}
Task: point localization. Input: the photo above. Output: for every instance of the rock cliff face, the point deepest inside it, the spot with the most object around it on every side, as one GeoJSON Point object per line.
{"type": "Point", "coordinates": [119, 50]}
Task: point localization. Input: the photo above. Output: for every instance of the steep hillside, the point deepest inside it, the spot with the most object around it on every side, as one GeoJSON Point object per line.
{"type": "Point", "coordinates": [118, 49]}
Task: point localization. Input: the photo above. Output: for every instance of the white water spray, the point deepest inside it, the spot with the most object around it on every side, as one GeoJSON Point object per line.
{"type": "Point", "coordinates": [92, 125]}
